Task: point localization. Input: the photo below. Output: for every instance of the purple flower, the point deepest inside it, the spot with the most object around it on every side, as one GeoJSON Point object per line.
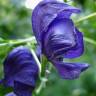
{"type": "Point", "coordinates": [20, 71]}
{"type": "Point", "coordinates": [58, 37]}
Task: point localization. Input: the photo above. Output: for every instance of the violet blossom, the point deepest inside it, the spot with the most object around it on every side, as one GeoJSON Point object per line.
{"type": "Point", "coordinates": [20, 72]}
{"type": "Point", "coordinates": [58, 37]}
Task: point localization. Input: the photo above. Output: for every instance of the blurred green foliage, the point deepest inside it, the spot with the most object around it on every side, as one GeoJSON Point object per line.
{"type": "Point", "coordinates": [14, 19]}
{"type": "Point", "coordinates": [15, 22]}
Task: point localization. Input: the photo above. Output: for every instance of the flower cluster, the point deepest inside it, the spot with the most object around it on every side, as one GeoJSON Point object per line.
{"type": "Point", "coordinates": [58, 37]}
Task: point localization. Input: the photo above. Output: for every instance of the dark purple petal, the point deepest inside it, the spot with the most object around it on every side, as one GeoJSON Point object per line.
{"type": "Point", "coordinates": [77, 50]}
{"type": "Point", "coordinates": [45, 13]}
{"type": "Point", "coordinates": [20, 66]}
{"type": "Point", "coordinates": [60, 37]}
{"type": "Point", "coordinates": [70, 70]}
{"type": "Point", "coordinates": [21, 89]}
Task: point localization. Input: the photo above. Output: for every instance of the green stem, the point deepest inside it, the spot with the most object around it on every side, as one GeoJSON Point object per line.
{"type": "Point", "coordinates": [89, 40]}
{"type": "Point", "coordinates": [42, 85]}
{"type": "Point", "coordinates": [44, 80]}
{"type": "Point", "coordinates": [36, 59]}
{"type": "Point", "coordinates": [19, 41]}
{"type": "Point", "coordinates": [86, 17]}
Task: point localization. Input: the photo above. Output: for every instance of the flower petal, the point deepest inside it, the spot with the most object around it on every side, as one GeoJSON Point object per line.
{"type": "Point", "coordinates": [70, 70]}
{"type": "Point", "coordinates": [77, 50]}
{"type": "Point", "coordinates": [20, 66]}
{"type": "Point", "coordinates": [45, 13]}
{"type": "Point", "coordinates": [60, 37]}
{"type": "Point", "coordinates": [21, 89]}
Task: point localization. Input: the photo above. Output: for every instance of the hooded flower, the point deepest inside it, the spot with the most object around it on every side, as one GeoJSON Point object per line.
{"type": "Point", "coordinates": [57, 36]}
{"type": "Point", "coordinates": [20, 71]}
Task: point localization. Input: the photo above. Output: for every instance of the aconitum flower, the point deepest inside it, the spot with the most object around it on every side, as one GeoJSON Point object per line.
{"type": "Point", "coordinates": [20, 71]}
{"type": "Point", "coordinates": [58, 37]}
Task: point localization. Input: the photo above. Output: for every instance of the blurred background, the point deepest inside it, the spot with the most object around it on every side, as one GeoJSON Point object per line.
{"type": "Point", "coordinates": [15, 23]}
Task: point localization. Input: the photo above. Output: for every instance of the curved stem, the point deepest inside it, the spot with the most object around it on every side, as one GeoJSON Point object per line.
{"type": "Point", "coordinates": [86, 17]}
{"type": "Point", "coordinates": [44, 79]}
{"type": "Point", "coordinates": [19, 41]}
{"type": "Point", "coordinates": [89, 40]}
{"type": "Point", "coordinates": [42, 85]}
{"type": "Point", "coordinates": [36, 59]}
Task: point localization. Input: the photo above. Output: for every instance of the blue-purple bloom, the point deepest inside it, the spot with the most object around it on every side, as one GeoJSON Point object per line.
{"type": "Point", "coordinates": [20, 71]}
{"type": "Point", "coordinates": [58, 37]}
